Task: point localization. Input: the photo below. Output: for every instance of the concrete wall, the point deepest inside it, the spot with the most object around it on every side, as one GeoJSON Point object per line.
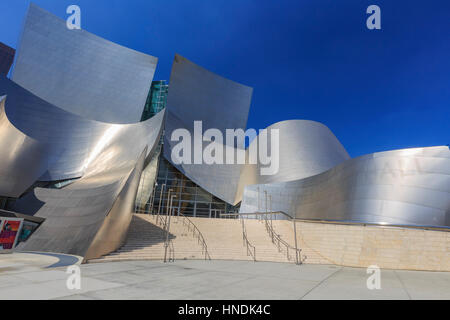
{"type": "Point", "coordinates": [362, 246]}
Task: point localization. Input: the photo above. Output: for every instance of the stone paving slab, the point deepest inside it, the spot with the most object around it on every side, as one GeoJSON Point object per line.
{"type": "Point", "coordinates": [220, 280]}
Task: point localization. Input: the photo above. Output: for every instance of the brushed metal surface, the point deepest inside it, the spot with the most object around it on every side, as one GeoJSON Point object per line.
{"type": "Point", "coordinates": [402, 187]}
{"type": "Point", "coordinates": [81, 72]}
{"type": "Point", "coordinates": [73, 112]}
{"type": "Point", "coordinates": [72, 142]}
{"type": "Point", "coordinates": [198, 94]}
{"type": "Point", "coordinates": [17, 172]}
{"type": "Point", "coordinates": [112, 233]}
{"type": "Point", "coordinates": [91, 216]}
{"type": "Point", "coordinates": [306, 148]}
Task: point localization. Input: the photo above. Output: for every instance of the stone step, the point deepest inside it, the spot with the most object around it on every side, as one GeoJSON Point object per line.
{"type": "Point", "coordinates": [145, 240]}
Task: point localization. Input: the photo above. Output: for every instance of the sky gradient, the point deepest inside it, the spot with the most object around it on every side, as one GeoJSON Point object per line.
{"type": "Point", "coordinates": [307, 59]}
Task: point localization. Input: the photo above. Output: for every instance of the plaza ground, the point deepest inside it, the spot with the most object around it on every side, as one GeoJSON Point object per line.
{"type": "Point", "coordinates": [40, 276]}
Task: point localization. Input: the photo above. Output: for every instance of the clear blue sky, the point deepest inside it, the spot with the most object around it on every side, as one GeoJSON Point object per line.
{"type": "Point", "coordinates": [306, 59]}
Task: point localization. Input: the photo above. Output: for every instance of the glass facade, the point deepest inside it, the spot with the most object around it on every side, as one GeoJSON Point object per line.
{"type": "Point", "coordinates": [190, 200]}
{"type": "Point", "coordinates": [160, 177]}
{"type": "Point", "coordinates": [156, 100]}
{"type": "Point", "coordinates": [147, 182]}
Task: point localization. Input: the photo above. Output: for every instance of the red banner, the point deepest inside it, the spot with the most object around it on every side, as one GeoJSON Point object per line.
{"type": "Point", "coordinates": [9, 233]}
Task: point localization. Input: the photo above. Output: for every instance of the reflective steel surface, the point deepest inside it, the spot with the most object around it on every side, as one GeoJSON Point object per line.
{"type": "Point", "coordinates": [401, 187]}
{"type": "Point", "coordinates": [17, 172]}
{"type": "Point", "coordinates": [306, 148]}
{"type": "Point", "coordinates": [198, 94]}
{"type": "Point", "coordinates": [72, 142]}
{"type": "Point", "coordinates": [90, 217]}
{"type": "Point", "coordinates": [72, 112]}
{"type": "Point", "coordinates": [80, 72]}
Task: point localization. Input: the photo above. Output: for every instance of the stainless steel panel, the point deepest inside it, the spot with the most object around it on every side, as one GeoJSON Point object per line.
{"type": "Point", "coordinates": [198, 94]}
{"type": "Point", "coordinates": [89, 79]}
{"type": "Point", "coordinates": [91, 216]}
{"type": "Point", "coordinates": [71, 142]}
{"type": "Point", "coordinates": [404, 187]}
{"type": "Point", "coordinates": [80, 72]}
{"type": "Point", "coordinates": [112, 233]}
{"type": "Point", "coordinates": [306, 147]}
{"type": "Point", "coordinates": [17, 172]}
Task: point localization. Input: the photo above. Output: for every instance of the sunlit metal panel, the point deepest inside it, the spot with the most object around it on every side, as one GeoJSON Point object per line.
{"type": "Point", "coordinates": [80, 72]}
{"type": "Point", "coordinates": [400, 187]}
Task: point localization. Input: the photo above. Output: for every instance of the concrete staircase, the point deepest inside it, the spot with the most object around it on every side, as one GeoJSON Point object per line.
{"type": "Point", "coordinates": [225, 241]}
{"type": "Point", "coordinates": [321, 243]}
{"type": "Point", "coordinates": [223, 237]}
{"type": "Point", "coordinates": [145, 241]}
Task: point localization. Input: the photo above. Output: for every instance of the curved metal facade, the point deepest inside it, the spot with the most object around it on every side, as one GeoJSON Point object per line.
{"type": "Point", "coordinates": [316, 177]}
{"type": "Point", "coordinates": [80, 72]}
{"type": "Point", "coordinates": [66, 145]}
{"type": "Point", "coordinates": [306, 148]}
{"type": "Point", "coordinates": [198, 94]}
{"type": "Point", "coordinates": [72, 112]}
{"type": "Point", "coordinates": [17, 172]}
{"type": "Point", "coordinates": [71, 141]}
{"type": "Point", "coordinates": [91, 216]}
{"type": "Point", "coordinates": [402, 187]}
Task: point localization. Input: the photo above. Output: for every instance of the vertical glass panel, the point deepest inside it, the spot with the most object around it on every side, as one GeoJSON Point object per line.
{"type": "Point", "coordinates": [191, 199]}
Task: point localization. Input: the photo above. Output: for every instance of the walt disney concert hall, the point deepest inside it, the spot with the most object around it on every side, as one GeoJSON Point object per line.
{"type": "Point", "coordinates": [85, 135]}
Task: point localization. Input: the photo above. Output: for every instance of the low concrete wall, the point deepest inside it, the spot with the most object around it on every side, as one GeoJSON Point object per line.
{"type": "Point", "coordinates": [386, 247]}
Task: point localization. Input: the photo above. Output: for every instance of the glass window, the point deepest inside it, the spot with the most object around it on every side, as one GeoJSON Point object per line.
{"type": "Point", "coordinates": [191, 199]}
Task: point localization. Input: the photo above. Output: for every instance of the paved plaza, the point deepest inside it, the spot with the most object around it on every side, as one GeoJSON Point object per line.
{"type": "Point", "coordinates": [40, 276]}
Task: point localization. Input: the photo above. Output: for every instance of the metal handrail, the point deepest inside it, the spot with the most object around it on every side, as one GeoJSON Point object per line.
{"type": "Point", "coordinates": [169, 243]}
{"type": "Point", "coordinates": [201, 239]}
{"type": "Point", "coordinates": [160, 221]}
{"type": "Point", "coordinates": [276, 239]}
{"type": "Point", "coordinates": [171, 251]}
{"type": "Point", "coordinates": [247, 243]}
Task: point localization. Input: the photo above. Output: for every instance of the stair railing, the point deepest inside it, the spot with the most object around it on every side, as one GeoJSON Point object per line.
{"type": "Point", "coordinates": [276, 239]}
{"type": "Point", "coordinates": [280, 243]}
{"type": "Point", "coordinates": [251, 250]}
{"type": "Point", "coordinates": [160, 220]}
{"type": "Point", "coordinates": [196, 233]}
{"type": "Point", "coordinates": [168, 243]}
{"type": "Point", "coordinates": [169, 248]}
{"type": "Point", "coordinates": [171, 251]}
